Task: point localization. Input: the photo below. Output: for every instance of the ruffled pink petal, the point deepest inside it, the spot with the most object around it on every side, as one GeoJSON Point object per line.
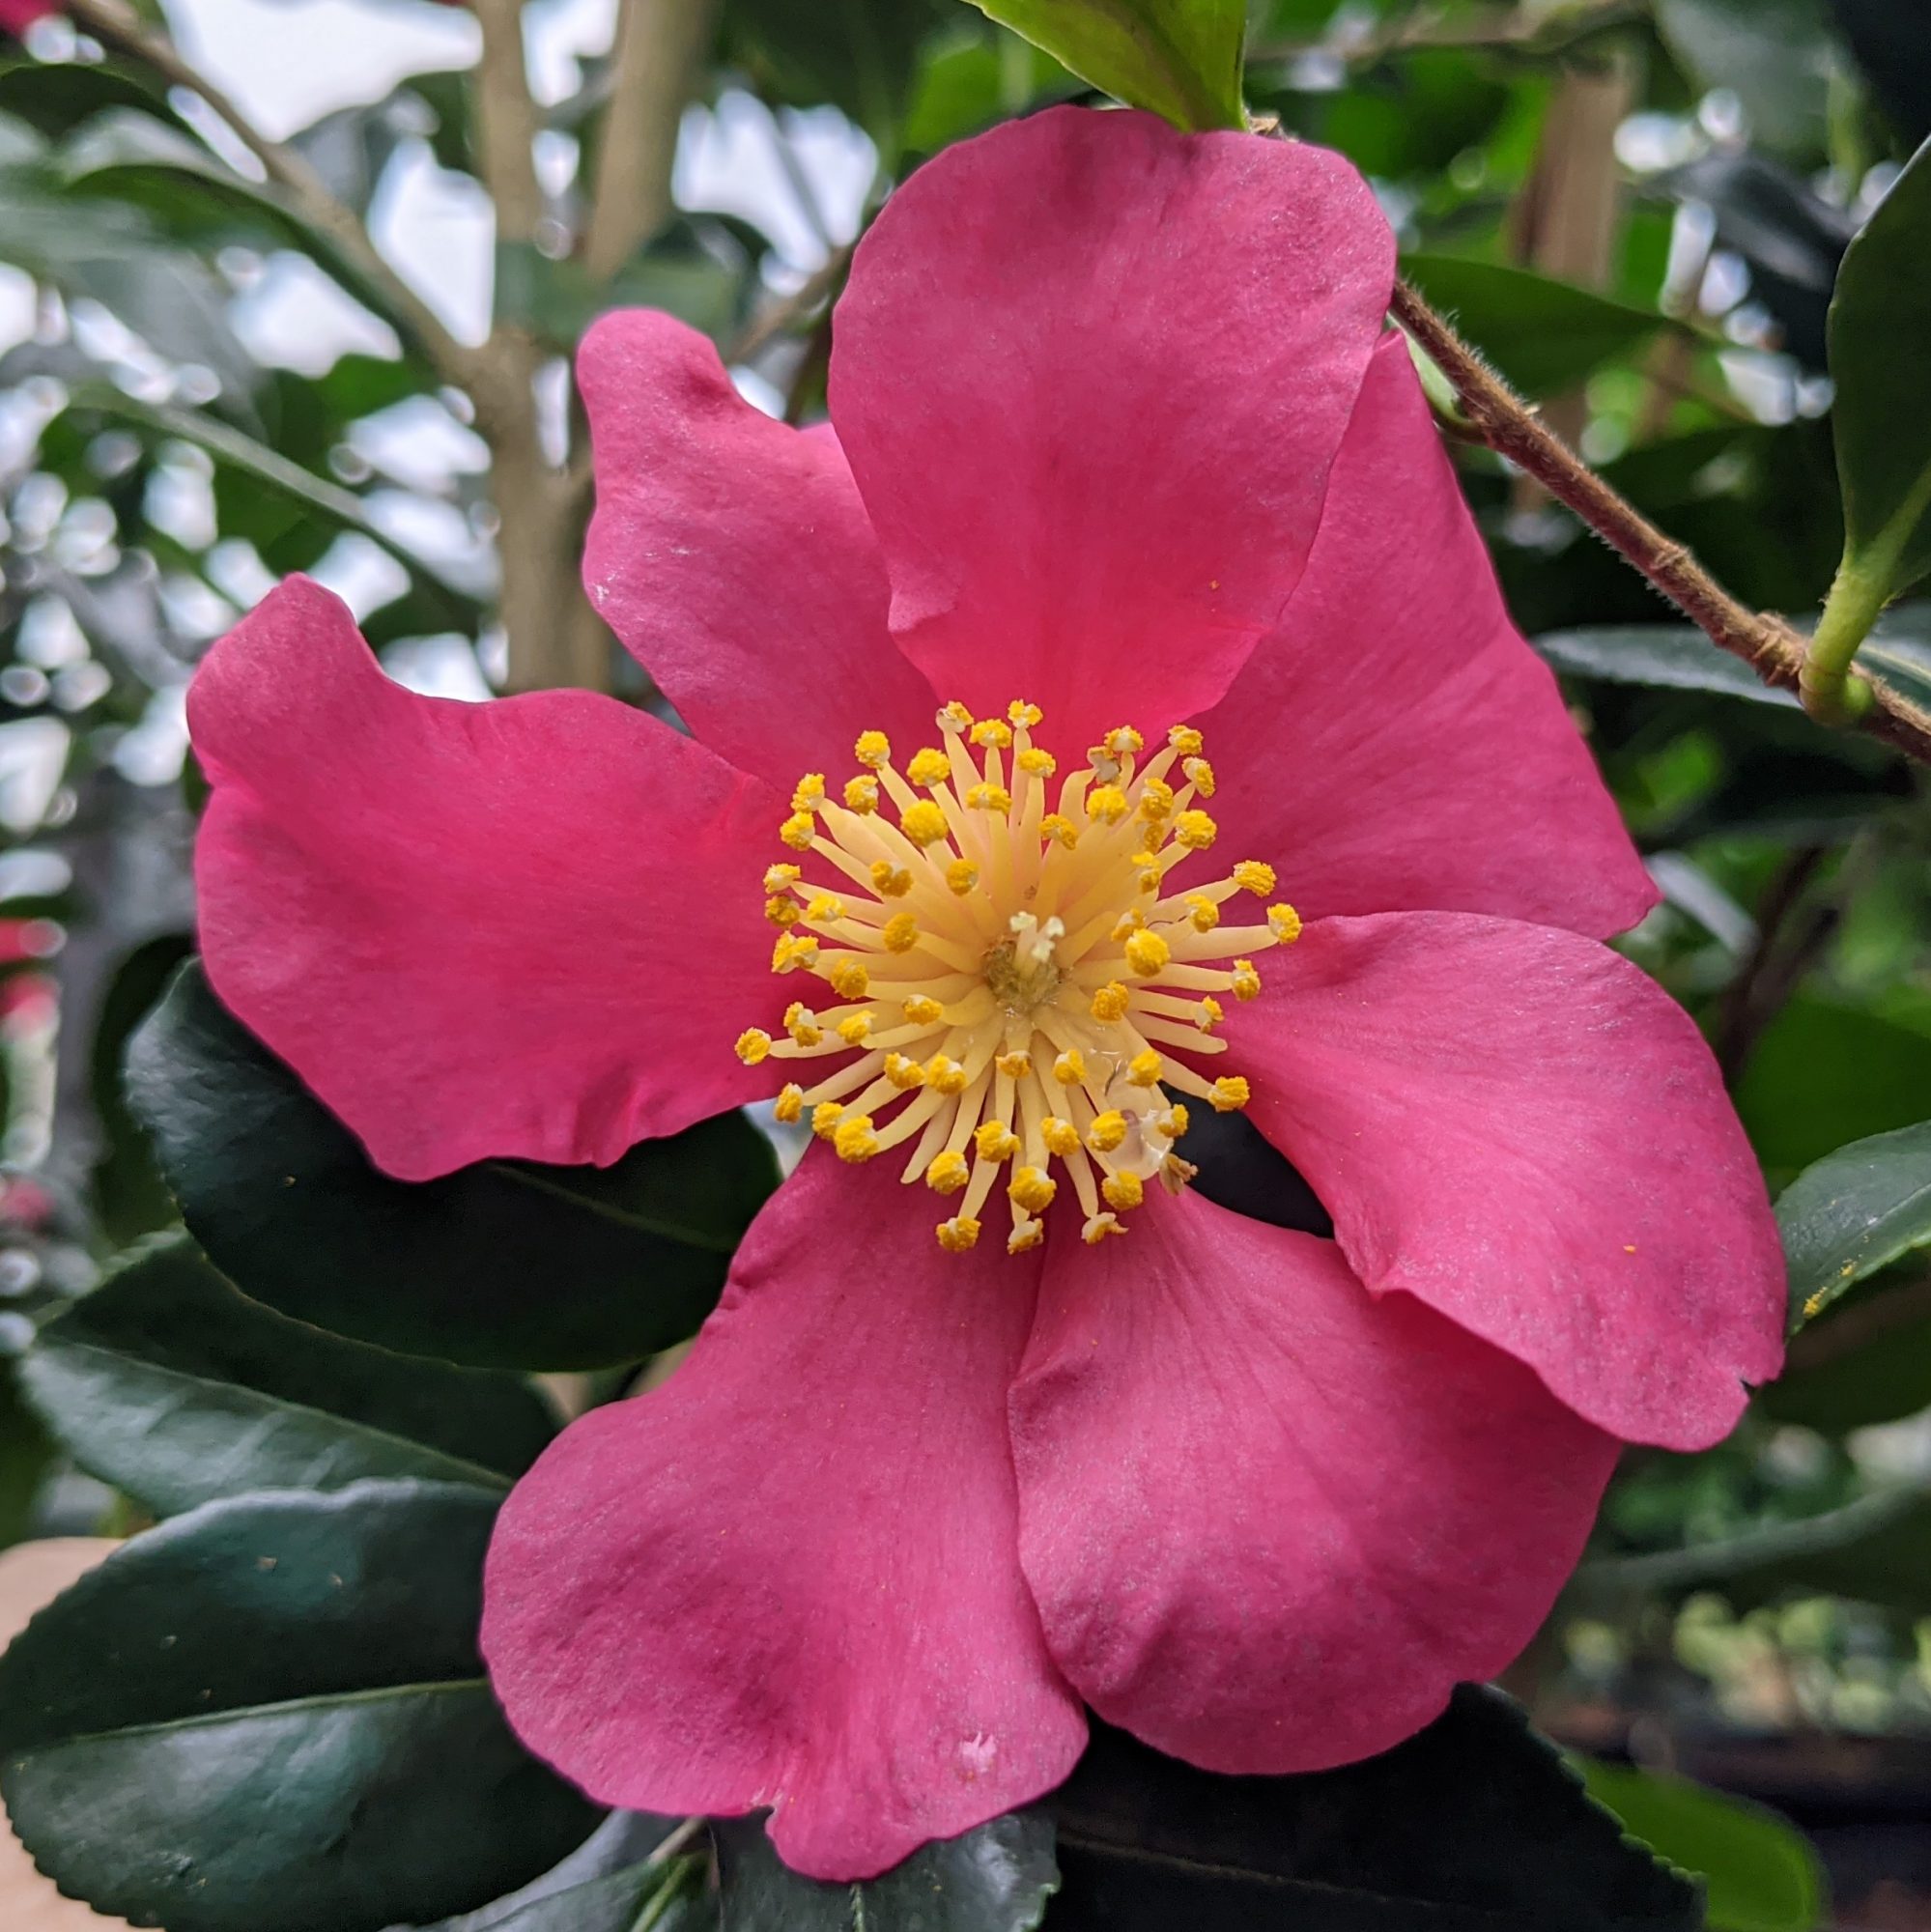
{"type": "Point", "coordinates": [1520, 1128]}
{"type": "Point", "coordinates": [732, 556]}
{"type": "Point", "coordinates": [789, 1577]}
{"type": "Point", "coordinates": [1394, 743]}
{"type": "Point", "coordinates": [525, 927]}
{"type": "Point", "coordinates": [1091, 373]}
{"type": "Point", "coordinates": [1271, 1522]}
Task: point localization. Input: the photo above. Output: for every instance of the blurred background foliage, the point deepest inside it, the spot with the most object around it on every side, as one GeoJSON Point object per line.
{"type": "Point", "coordinates": [1635, 207]}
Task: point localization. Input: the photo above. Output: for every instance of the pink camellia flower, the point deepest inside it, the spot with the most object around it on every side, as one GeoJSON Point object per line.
{"type": "Point", "coordinates": [17, 16]}
{"type": "Point", "coordinates": [1112, 716]}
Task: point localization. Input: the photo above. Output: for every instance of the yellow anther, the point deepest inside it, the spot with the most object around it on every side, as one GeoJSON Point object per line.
{"type": "Point", "coordinates": [802, 1024]}
{"type": "Point", "coordinates": [1185, 740]}
{"type": "Point", "coordinates": [782, 909]}
{"type": "Point", "coordinates": [798, 830]}
{"type": "Point", "coordinates": [1096, 1229]}
{"type": "Point", "coordinates": [929, 767]}
{"type": "Point", "coordinates": [945, 1076]}
{"type": "Point", "coordinates": [855, 1139]}
{"type": "Point", "coordinates": [808, 794]}
{"type": "Point", "coordinates": [1284, 923]}
{"type": "Point", "coordinates": [825, 909]}
{"type": "Point", "coordinates": [1061, 831]}
{"type": "Point", "coordinates": [1253, 875]}
{"type": "Point", "coordinates": [754, 1043]}
{"type": "Point", "coordinates": [948, 1172]}
{"type": "Point", "coordinates": [988, 797]}
{"type": "Point", "coordinates": [890, 881]}
{"type": "Point", "coordinates": [1148, 866]}
{"type": "Point", "coordinates": [1203, 914]}
{"type": "Point", "coordinates": [1070, 1068]}
{"type": "Point", "coordinates": [790, 1102]}
{"type": "Point", "coordinates": [1025, 1234]}
{"type": "Point", "coordinates": [1211, 1014]}
{"type": "Point", "coordinates": [992, 731]}
{"type": "Point", "coordinates": [922, 822]}
{"type": "Point", "coordinates": [899, 932]}
{"type": "Point", "coordinates": [1145, 1068]}
{"type": "Point", "coordinates": [1133, 920]}
{"type": "Point", "coordinates": [854, 1028]}
{"type": "Point", "coordinates": [958, 1234]}
{"type": "Point", "coordinates": [961, 876]}
{"type": "Point", "coordinates": [1015, 1065]}
{"type": "Point", "coordinates": [1107, 1131]}
{"type": "Point", "coordinates": [777, 877]}
{"type": "Point", "coordinates": [1035, 763]}
{"type": "Point", "coordinates": [1124, 1191]}
{"type": "Point", "coordinates": [793, 951]}
{"type": "Point", "coordinates": [1174, 1122]}
{"type": "Point", "coordinates": [1031, 1188]}
{"type": "Point", "coordinates": [1106, 803]}
{"type": "Point", "coordinates": [1199, 774]}
{"type": "Point", "coordinates": [905, 1075]}
{"type": "Point", "coordinates": [873, 749]}
{"type": "Point", "coordinates": [1109, 1002]}
{"type": "Point", "coordinates": [922, 1010]}
{"type": "Point", "coordinates": [1246, 981]}
{"type": "Point", "coordinates": [1230, 1093]}
{"type": "Point", "coordinates": [1147, 952]}
{"type": "Point", "coordinates": [861, 794]}
{"type": "Point", "coordinates": [1061, 1137]}
{"type": "Point", "coordinates": [953, 716]}
{"type": "Point", "coordinates": [850, 980]}
{"type": "Point", "coordinates": [1196, 831]}
{"type": "Point", "coordinates": [825, 1119]}
{"type": "Point", "coordinates": [1156, 800]}
{"type": "Point", "coordinates": [995, 1141]}
{"type": "Point", "coordinates": [1024, 716]}
{"type": "Point", "coordinates": [1123, 742]}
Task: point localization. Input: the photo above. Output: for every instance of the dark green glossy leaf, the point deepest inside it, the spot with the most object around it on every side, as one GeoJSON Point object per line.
{"type": "Point", "coordinates": [271, 1713]}
{"type": "Point", "coordinates": [1858, 1370]}
{"type": "Point", "coordinates": [128, 1191]}
{"type": "Point", "coordinates": [1880, 363]}
{"type": "Point", "coordinates": [1853, 1212]}
{"type": "Point", "coordinates": [1429, 1837]}
{"type": "Point", "coordinates": [171, 1386]}
{"type": "Point", "coordinates": [995, 1879]}
{"type": "Point", "coordinates": [503, 1264]}
{"type": "Point", "coordinates": [25, 1454]}
{"type": "Point", "coordinates": [1760, 1874]}
{"type": "Point", "coordinates": [1181, 58]}
{"type": "Point", "coordinates": [1546, 336]}
{"type": "Point", "coordinates": [1678, 657]}
{"type": "Point", "coordinates": [626, 1877]}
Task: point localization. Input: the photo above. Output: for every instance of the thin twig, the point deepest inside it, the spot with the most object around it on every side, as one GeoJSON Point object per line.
{"type": "Point", "coordinates": [818, 287]}
{"type": "Point", "coordinates": [1759, 988]}
{"type": "Point", "coordinates": [1498, 417]}
{"type": "Point", "coordinates": [116, 25]}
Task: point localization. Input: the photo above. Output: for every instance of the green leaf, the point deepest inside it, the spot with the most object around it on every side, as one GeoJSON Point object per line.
{"type": "Point", "coordinates": [1427, 1837]}
{"type": "Point", "coordinates": [26, 1454]}
{"type": "Point", "coordinates": [1181, 58]}
{"type": "Point", "coordinates": [503, 1264]}
{"type": "Point", "coordinates": [272, 1712]}
{"type": "Point", "coordinates": [1852, 1213]}
{"type": "Point", "coordinates": [1881, 364]}
{"type": "Point", "coordinates": [1761, 1876]}
{"type": "Point", "coordinates": [625, 1877]}
{"type": "Point", "coordinates": [1852, 1375]}
{"type": "Point", "coordinates": [995, 1879]}
{"type": "Point", "coordinates": [1678, 657]}
{"type": "Point", "coordinates": [1546, 336]}
{"type": "Point", "coordinates": [171, 1386]}
{"type": "Point", "coordinates": [129, 1192]}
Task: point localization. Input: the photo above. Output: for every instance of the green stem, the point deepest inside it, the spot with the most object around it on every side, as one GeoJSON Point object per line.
{"type": "Point", "coordinates": [1824, 682]}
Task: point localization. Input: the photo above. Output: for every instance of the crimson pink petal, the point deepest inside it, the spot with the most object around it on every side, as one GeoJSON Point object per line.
{"type": "Point", "coordinates": [1394, 742]}
{"type": "Point", "coordinates": [1091, 373]}
{"type": "Point", "coordinates": [1269, 1521]}
{"type": "Point", "coordinates": [789, 1577]}
{"type": "Point", "coordinates": [530, 926]}
{"type": "Point", "coordinates": [732, 556]}
{"type": "Point", "coordinates": [1520, 1128]}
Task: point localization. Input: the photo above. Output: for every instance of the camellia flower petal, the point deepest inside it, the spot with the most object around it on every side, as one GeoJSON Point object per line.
{"type": "Point", "coordinates": [17, 16]}
{"type": "Point", "coordinates": [1157, 743]}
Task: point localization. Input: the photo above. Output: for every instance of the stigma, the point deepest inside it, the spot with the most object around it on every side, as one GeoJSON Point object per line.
{"type": "Point", "coordinates": [1012, 975]}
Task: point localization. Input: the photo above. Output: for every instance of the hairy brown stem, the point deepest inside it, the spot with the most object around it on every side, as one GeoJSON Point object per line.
{"type": "Point", "coordinates": [1496, 416]}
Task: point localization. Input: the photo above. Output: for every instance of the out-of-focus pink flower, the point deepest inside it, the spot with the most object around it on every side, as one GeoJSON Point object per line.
{"type": "Point", "coordinates": [17, 16]}
{"type": "Point", "coordinates": [1133, 552]}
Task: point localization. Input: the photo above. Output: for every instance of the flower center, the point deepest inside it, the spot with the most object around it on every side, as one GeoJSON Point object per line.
{"type": "Point", "coordinates": [1015, 967]}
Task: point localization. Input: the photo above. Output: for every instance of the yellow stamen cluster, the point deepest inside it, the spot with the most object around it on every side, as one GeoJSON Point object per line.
{"type": "Point", "coordinates": [1016, 973]}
